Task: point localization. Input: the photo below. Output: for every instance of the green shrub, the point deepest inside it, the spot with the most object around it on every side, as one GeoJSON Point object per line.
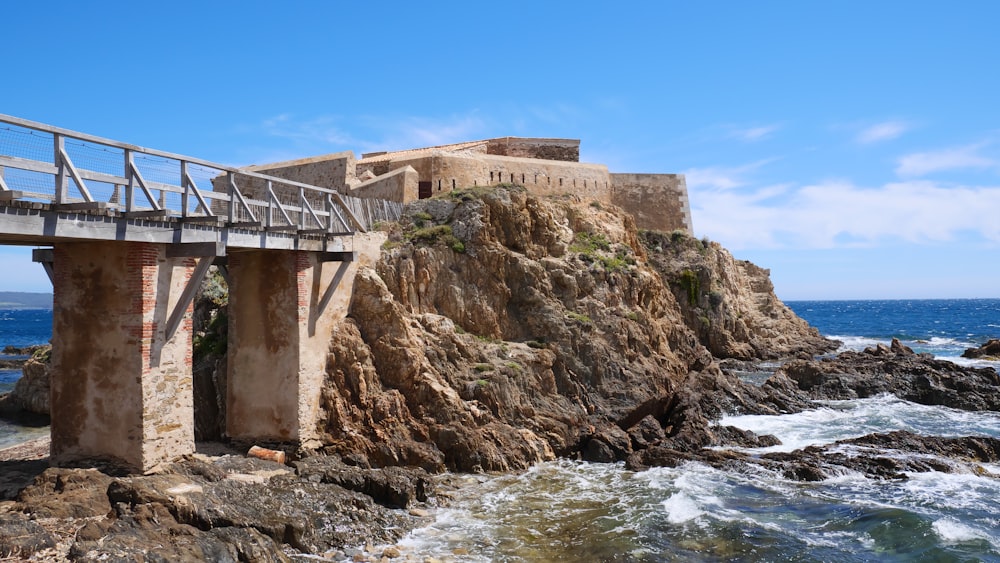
{"type": "Point", "coordinates": [483, 367]}
{"type": "Point", "coordinates": [579, 317]}
{"type": "Point", "coordinates": [436, 234]}
{"type": "Point", "coordinates": [692, 286]}
{"type": "Point", "coordinates": [589, 243]}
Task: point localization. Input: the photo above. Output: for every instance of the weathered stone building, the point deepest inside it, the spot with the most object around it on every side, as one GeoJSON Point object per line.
{"type": "Point", "coordinates": [543, 166]}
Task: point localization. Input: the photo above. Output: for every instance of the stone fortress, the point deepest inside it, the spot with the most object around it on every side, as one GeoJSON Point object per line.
{"type": "Point", "coordinates": [542, 166]}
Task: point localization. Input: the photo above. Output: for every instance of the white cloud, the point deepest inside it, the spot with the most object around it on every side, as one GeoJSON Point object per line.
{"type": "Point", "coordinates": [882, 132]}
{"type": "Point", "coordinates": [721, 177]}
{"type": "Point", "coordinates": [753, 133]}
{"type": "Point", "coordinates": [842, 214]}
{"type": "Point", "coordinates": [919, 164]}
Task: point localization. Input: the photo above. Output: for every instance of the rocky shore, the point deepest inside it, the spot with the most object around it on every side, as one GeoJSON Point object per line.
{"type": "Point", "coordinates": [498, 330]}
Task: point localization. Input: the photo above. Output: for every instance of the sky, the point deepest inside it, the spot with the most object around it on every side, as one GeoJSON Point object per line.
{"type": "Point", "coordinates": [853, 148]}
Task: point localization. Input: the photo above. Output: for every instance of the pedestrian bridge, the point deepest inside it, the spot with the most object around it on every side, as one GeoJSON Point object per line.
{"type": "Point", "coordinates": [127, 235]}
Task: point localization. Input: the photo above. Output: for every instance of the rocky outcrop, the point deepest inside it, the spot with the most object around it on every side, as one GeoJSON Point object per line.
{"type": "Point", "coordinates": [28, 402]}
{"type": "Point", "coordinates": [877, 456]}
{"type": "Point", "coordinates": [500, 329]}
{"type": "Point", "coordinates": [730, 304]}
{"type": "Point", "coordinates": [227, 508]}
{"type": "Point", "coordinates": [31, 392]}
{"type": "Point", "coordinates": [894, 369]}
{"type": "Point", "coordinates": [988, 351]}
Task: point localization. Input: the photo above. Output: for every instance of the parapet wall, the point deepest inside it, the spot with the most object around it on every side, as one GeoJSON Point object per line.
{"type": "Point", "coordinates": [657, 201]}
{"type": "Point", "coordinates": [447, 171]}
{"type": "Point", "coordinates": [398, 185]}
{"type": "Point", "coordinates": [335, 171]}
{"type": "Point", "coordinates": [546, 149]}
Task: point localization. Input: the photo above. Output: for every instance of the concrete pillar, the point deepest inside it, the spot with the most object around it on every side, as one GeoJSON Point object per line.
{"type": "Point", "coordinates": [121, 390]}
{"type": "Point", "coordinates": [282, 309]}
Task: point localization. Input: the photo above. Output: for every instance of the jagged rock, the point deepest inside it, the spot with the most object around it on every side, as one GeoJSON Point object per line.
{"type": "Point", "coordinates": [547, 320]}
{"type": "Point", "coordinates": [31, 391]}
{"type": "Point", "coordinates": [66, 493]}
{"type": "Point", "coordinates": [393, 487]}
{"type": "Point", "coordinates": [895, 369]}
{"type": "Point", "coordinates": [730, 304]}
{"type": "Point", "coordinates": [988, 351]}
{"type": "Point", "coordinates": [647, 431]}
{"type": "Point", "coordinates": [21, 537]}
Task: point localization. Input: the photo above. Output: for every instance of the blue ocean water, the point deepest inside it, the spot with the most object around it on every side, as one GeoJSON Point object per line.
{"type": "Point", "coordinates": [943, 327]}
{"type": "Point", "coordinates": [20, 328]}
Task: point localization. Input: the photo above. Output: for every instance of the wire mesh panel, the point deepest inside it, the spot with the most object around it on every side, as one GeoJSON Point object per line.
{"type": "Point", "coordinates": [54, 165]}
{"type": "Point", "coordinates": [26, 143]}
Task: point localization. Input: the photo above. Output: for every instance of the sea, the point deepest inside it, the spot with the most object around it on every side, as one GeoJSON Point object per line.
{"type": "Point", "coordinates": [568, 511]}
{"type": "Point", "coordinates": [20, 328]}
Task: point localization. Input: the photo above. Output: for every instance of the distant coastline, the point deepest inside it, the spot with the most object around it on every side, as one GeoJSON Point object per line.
{"type": "Point", "coordinates": [25, 300]}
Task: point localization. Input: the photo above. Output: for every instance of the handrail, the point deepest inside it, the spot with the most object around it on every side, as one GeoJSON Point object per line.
{"type": "Point", "coordinates": [236, 201]}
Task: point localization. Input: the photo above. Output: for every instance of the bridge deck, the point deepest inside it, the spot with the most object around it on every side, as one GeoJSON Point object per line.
{"type": "Point", "coordinates": [58, 185]}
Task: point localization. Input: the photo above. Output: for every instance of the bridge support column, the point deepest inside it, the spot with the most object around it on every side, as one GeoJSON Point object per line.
{"type": "Point", "coordinates": [282, 308]}
{"type": "Point", "coordinates": [121, 387]}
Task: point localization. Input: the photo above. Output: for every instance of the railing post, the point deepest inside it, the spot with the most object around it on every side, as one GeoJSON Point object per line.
{"type": "Point", "coordinates": [231, 190]}
{"type": "Point", "coordinates": [184, 184]}
{"type": "Point", "coordinates": [302, 208]}
{"type": "Point", "coordinates": [60, 187]}
{"type": "Point", "coordinates": [270, 204]}
{"type": "Point", "coordinates": [130, 188]}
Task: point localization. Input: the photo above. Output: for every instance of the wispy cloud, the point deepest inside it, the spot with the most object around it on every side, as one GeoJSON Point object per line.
{"type": "Point", "coordinates": [324, 129]}
{"type": "Point", "coordinates": [307, 136]}
{"type": "Point", "coordinates": [922, 163]}
{"type": "Point", "coordinates": [751, 134]}
{"type": "Point", "coordinates": [721, 177]}
{"type": "Point", "coordinates": [884, 131]}
{"type": "Point", "coordinates": [413, 132]}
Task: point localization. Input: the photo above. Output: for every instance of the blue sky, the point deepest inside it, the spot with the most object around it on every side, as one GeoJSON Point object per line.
{"type": "Point", "coordinates": [851, 147]}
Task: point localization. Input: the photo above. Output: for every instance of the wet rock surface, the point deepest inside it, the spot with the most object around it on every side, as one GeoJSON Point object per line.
{"type": "Point", "coordinates": [897, 370]}
{"type": "Point", "coordinates": [988, 351]}
{"type": "Point", "coordinates": [893, 369]}
{"type": "Point", "coordinates": [227, 508]}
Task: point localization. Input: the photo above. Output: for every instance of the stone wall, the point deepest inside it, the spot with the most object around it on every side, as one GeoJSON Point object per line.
{"type": "Point", "coordinates": [447, 171]}
{"type": "Point", "coordinates": [335, 171]}
{"type": "Point", "coordinates": [397, 185]}
{"type": "Point", "coordinates": [545, 149]}
{"type": "Point", "coordinates": [659, 202]}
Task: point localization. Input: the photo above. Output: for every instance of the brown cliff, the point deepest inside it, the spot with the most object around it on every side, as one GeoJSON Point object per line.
{"type": "Point", "coordinates": [730, 304]}
{"type": "Point", "coordinates": [500, 329]}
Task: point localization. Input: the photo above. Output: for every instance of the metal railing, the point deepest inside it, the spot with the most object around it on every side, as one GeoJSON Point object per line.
{"type": "Point", "coordinates": [77, 172]}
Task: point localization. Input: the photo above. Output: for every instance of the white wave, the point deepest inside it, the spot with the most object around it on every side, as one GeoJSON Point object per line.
{"type": "Point", "coordinates": [953, 531]}
{"type": "Point", "coordinates": [680, 508]}
{"type": "Point", "coordinates": [856, 343]}
{"type": "Point", "coordinates": [842, 420]}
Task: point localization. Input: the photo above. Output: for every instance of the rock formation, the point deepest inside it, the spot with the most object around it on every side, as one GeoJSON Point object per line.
{"type": "Point", "coordinates": [501, 329]}
{"type": "Point", "coordinates": [988, 351]}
